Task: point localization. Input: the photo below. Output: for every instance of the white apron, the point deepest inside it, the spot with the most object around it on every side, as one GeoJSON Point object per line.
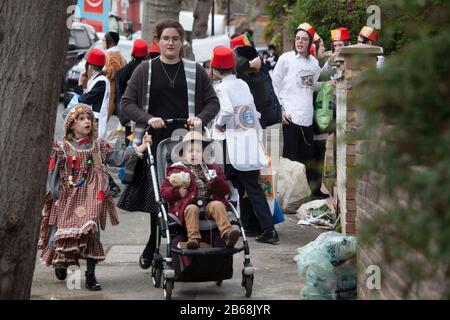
{"type": "Point", "coordinates": [102, 116]}
{"type": "Point", "coordinates": [244, 140]}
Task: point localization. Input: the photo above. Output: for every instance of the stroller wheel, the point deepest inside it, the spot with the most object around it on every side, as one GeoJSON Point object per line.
{"type": "Point", "coordinates": [219, 283]}
{"type": "Point", "coordinates": [168, 286]}
{"type": "Point", "coordinates": [156, 275]}
{"type": "Point", "coordinates": [247, 285]}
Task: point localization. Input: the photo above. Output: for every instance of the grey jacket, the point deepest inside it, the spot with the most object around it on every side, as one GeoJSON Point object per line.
{"type": "Point", "coordinates": [133, 101]}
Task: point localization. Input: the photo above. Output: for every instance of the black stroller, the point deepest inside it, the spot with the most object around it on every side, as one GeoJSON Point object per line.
{"type": "Point", "coordinates": [191, 265]}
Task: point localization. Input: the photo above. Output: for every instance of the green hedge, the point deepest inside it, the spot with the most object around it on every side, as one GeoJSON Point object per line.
{"type": "Point", "coordinates": [412, 94]}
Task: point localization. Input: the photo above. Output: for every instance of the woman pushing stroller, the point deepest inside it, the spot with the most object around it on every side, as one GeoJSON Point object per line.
{"type": "Point", "coordinates": [191, 183]}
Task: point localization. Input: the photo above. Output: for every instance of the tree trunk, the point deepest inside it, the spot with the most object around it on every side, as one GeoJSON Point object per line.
{"type": "Point", "coordinates": [253, 9]}
{"type": "Point", "coordinates": [201, 13]}
{"type": "Point", "coordinates": [156, 10]}
{"type": "Point", "coordinates": [222, 6]}
{"type": "Point", "coordinates": [33, 44]}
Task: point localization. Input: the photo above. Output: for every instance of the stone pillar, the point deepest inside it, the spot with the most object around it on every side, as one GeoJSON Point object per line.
{"type": "Point", "coordinates": [351, 62]}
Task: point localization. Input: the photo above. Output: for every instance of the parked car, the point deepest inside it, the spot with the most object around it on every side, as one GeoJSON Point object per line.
{"type": "Point", "coordinates": [81, 37]}
{"type": "Point", "coordinates": [73, 75]}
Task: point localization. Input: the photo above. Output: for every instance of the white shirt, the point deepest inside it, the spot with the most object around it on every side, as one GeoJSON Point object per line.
{"type": "Point", "coordinates": [113, 49]}
{"type": "Point", "coordinates": [294, 80]}
{"type": "Point", "coordinates": [243, 132]}
{"type": "Point", "coordinates": [231, 92]}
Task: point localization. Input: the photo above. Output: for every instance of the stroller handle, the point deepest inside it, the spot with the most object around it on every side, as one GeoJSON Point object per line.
{"type": "Point", "coordinates": [169, 122]}
{"type": "Point", "coordinates": [175, 121]}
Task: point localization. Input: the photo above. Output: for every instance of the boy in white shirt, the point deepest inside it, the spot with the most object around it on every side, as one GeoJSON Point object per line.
{"type": "Point", "coordinates": [238, 125]}
{"type": "Point", "coordinates": [294, 81]}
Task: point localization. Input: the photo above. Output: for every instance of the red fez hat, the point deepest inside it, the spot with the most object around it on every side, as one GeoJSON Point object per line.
{"type": "Point", "coordinates": [154, 48]}
{"type": "Point", "coordinates": [308, 28]}
{"type": "Point", "coordinates": [96, 57]}
{"type": "Point", "coordinates": [312, 50]}
{"type": "Point", "coordinates": [238, 41]}
{"type": "Point", "coordinates": [223, 58]}
{"type": "Point", "coordinates": [316, 37]}
{"type": "Point", "coordinates": [340, 34]}
{"type": "Point", "coordinates": [369, 33]}
{"type": "Point", "coordinates": [139, 48]}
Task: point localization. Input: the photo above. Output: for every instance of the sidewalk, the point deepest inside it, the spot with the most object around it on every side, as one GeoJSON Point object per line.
{"type": "Point", "coordinates": [276, 275]}
{"type": "Point", "coordinates": [120, 276]}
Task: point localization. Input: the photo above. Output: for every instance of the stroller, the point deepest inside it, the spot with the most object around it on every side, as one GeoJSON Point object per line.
{"type": "Point", "coordinates": [191, 265]}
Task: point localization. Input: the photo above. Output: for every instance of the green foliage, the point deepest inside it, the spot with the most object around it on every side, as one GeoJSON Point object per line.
{"type": "Point", "coordinates": [330, 14]}
{"type": "Point", "coordinates": [401, 23]}
{"type": "Point", "coordinates": [412, 95]}
{"type": "Point", "coordinates": [277, 10]}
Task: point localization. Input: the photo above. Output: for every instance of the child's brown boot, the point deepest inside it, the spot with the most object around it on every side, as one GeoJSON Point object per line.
{"type": "Point", "coordinates": [231, 236]}
{"type": "Point", "coordinates": [193, 243]}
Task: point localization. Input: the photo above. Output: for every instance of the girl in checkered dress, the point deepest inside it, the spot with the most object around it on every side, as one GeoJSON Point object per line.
{"type": "Point", "coordinates": [78, 200]}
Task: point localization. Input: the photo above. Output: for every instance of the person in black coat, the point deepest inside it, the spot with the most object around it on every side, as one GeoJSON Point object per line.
{"type": "Point", "coordinates": [139, 54]}
{"type": "Point", "coordinates": [248, 65]}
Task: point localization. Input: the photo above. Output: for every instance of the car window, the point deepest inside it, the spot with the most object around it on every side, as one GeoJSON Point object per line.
{"type": "Point", "coordinates": [80, 38]}
{"type": "Point", "coordinates": [92, 34]}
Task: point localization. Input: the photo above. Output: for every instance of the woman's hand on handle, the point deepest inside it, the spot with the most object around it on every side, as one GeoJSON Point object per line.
{"type": "Point", "coordinates": [195, 122]}
{"type": "Point", "coordinates": [156, 123]}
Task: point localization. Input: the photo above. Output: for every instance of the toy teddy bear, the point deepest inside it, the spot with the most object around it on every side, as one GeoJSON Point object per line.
{"type": "Point", "coordinates": [180, 180]}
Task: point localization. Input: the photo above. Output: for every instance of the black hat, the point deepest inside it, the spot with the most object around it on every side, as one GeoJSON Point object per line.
{"type": "Point", "coordinates": [248, 52]}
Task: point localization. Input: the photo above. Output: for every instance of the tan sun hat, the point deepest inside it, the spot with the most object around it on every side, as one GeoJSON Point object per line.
{"type": "Point", "coordinates": [195, 136]}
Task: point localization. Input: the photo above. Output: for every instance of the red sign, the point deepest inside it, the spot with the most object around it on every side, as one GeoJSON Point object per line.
{"type": "Point", "coordinates": [98, 25]}
{"type": "Point", "coordinates": [93, 6]}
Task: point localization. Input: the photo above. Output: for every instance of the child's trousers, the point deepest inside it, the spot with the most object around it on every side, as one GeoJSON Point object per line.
{"type": "Point", "coordinates": [214, 209]}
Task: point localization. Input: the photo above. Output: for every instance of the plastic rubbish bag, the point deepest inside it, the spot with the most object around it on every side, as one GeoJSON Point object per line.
{"type": "Point", "coordinates": [310, 209]}
{"type": "Point", "coordinates": [278, 215]}
{"type": "Point", "coordinates": [329, 265]}
{"type": "Point", "coordinates": [292, 185]}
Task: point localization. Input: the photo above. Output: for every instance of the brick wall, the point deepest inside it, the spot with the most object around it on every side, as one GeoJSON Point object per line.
{"type": "Point", "coordinates": [359, 200]}
{"type": "Point", "coordinates": [370, 201]}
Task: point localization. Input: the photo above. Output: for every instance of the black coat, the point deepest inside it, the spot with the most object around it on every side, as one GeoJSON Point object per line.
{"type": "Point", "coordinates": [122, 77]}
{"type": "Point", "coordinates": [254, 79]}
{"type": "Point", "coordinates": [260, 84]}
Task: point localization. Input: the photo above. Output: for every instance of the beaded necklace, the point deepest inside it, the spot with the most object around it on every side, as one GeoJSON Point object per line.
{"type": "Point", "coordinates": [74, 161]}
{"type": "Point", "coordinates": [74, 164]}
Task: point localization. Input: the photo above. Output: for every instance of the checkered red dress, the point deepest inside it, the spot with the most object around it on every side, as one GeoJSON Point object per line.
{"type": "Point", "coordinates": [69, 224]}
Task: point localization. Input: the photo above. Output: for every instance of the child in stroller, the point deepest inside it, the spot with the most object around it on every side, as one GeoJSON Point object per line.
{"type": "Point", "coordinates": [192, 184]}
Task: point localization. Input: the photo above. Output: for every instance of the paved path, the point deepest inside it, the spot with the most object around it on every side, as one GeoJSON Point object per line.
{"type": "Point", "coordinates": [276, 275]}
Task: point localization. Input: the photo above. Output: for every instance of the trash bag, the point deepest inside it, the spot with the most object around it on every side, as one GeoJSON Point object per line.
{"type": "Point", "coordinates": [292, 185]}
{"type": "Point", "coordinates": [346, 280]}
{"type": "Point", "coordinates": [317, 213]}
{"type": "Point", "coordinates": [278, 215]}
{"type": "Point", "coordinates": [313, 209]}
{"type": "Point", "coordinates": [329, 264]}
